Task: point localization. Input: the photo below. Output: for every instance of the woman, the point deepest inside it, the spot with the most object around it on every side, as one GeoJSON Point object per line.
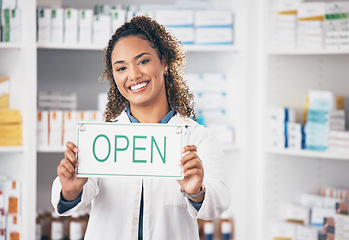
{"type": "Point", "coordinates": [144, 67]}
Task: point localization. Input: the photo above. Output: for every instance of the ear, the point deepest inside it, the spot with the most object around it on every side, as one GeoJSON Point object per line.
{"type": "Point", "coordinates": [165, 67]}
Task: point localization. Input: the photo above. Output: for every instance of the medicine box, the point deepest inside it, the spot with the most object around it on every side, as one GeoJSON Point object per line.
{"type": "Point", "coordinates": [70, 25]}
{"type": "Point", "coordinates": [175, 18]}
{"type": "Point", "coordinates": [101, 26]}
{"type": "Point", "coordinates": [44, 25]}
{"type": "Point", "coordinates": [57, 25]}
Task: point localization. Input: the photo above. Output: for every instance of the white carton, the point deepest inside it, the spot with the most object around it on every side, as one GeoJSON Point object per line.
{"type": "Point", "coordinates": [175, 18]}
{"type": "Point", "coordinates": [214, 35]}
{"type": "Point", "coordinates": [85, 26]}
{"type": "Point", "coordinates": [101, 29]}
{"type": "Point", "coordinates": [10, 4]}
{"type": "Point", "coordinates": [57, 25]}
{"type": "Point", "coordinates": [42, 129]}
{"type": "Point", "coordinates": [69, 126]}
{"type": "Point", "coordinates": [15, 25]}
{"type": "Point", "coordinates": [55, 129]}
{"type": "Point", "coordinates": [183, 34]}
{"type": "Point", "coordinates": [71, 25]}
{"type": "Point", "coordinates": [13, 230]}
{"type": "Point", "coordinates": [214, 18]}
{"type": "Point", "coordinates": [44, 25]}
{"type": "Point", "coordinates": [118, 18]}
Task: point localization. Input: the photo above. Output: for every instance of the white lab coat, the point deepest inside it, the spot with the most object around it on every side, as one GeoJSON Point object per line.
{"type": "Point", "coordinates": [166, 213]}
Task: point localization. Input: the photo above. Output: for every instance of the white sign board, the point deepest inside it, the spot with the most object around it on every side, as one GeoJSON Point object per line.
{"type": "Point", "coordinates": [142, 150]}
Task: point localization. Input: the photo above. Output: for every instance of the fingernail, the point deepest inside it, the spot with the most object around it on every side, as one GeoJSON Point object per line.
{"type": "Point", "coordinates": [180, 163]}
{"type": "Point", "coordinates": [76, 149]}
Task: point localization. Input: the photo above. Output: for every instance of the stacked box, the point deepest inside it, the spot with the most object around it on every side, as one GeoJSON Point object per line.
{"type": "Point", "coordinates": [284, 24]}
{"type": "Point", "coordinates": [337, 25]}
{"type": "Point", "coordinates": [48, 100]}
{"type": "Point", "coordinates": [213, 27]}
{"type": "Point", "coordinates": [317, 126]}
{"type": "Point", "coordinates": [339, 141]}
{"type": "Point", "coordinates": [10, 128]}
{"type": "Point", "coordinates": [179, 22]}
{"type": "Point", "coordinates": [279, 118]}
{"type": "Point", "coordinates": [311, 16]}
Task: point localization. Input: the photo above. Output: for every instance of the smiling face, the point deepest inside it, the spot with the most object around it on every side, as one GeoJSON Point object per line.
{"type": "Point", "coordinates": [139, 73]}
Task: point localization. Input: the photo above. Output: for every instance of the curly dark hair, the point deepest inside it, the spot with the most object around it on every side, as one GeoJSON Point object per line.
{"type": "Point", "coordinates": [168, 49]}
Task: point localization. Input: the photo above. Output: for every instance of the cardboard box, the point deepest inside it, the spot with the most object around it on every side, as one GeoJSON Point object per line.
{"type": "Point", "coordinates": [175, 18]}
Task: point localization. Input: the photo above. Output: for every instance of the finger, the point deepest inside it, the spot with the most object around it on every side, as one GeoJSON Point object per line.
{"type": "Point", "coordinates": [70, 156]}
{"type": "Point", "coordinates": [187, 157]}
{"type": "Point", "coordinates": [194, 171]}
{"type": "Point", "coordinates": [189, 148]}
{"type": "Point", "coordinates": [68, 165]}
{"type": "Point", "coordinates": [63, 172]}
{"type": "Point", "coordinates": [72, 147]}
{"type": "Point", "coordinates": [194, 163]}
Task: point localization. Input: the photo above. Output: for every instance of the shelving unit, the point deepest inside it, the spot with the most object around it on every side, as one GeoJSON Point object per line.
{"type": "Point", "coordinates": [283, 78]}
{"type": "Point", "coordinates": [18, 61]}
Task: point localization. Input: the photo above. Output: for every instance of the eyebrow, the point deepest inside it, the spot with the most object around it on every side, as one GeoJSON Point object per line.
{"type": "Point", "coordinates": [136, 57]}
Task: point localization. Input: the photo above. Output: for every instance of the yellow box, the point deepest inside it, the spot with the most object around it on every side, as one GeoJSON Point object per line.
{"type": "Point", "coordinates": [10, 131]}
{"type": "Point", "coordinates": [4, 101]}
{"type": "Point", "coordinates": [10, 116]}
{"type": "Point", "coordinates": [11, 142]}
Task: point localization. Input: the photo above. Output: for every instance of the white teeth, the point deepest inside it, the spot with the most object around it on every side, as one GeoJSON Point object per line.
{"type": "Point", "coordinates": [138, 86]}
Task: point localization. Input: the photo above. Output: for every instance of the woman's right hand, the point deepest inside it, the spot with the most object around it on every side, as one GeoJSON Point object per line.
{"type": "Point", "coordinates": [71, 185]}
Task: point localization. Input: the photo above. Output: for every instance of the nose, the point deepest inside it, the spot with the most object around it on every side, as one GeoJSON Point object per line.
{"type": "Point", "coordinates": [134, 72]}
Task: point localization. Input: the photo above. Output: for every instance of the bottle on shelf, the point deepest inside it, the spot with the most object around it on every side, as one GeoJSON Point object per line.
{"type": "Point", "coordinates": [226, 226]}
{"type": "Point", "coordinates": [209, 229]}
{"type": "Point", "coordinates": [76, 227]}
{"type": "Point", "coordinates": [56, 227]}
{"type": "Point", "coordinates": [38, 226]}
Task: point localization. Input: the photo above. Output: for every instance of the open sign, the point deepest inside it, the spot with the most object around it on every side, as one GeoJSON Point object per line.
{"type": "Point", "coordinates": [142, 150]}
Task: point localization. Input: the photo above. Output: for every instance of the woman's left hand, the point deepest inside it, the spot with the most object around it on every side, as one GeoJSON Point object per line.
{"type": "Point", "coordinates": [193, 172]}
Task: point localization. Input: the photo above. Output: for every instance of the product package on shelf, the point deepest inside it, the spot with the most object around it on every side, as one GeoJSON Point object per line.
{"type": "Point", "coordinates": [85, 26]}
{"type": "Point", "coordinates": [337, 25]}
{"type": "Point", "coordinates": [10, 127]}
{"type": "Point", "coordinates": [311, 17]}
{"type": "Point", "coordinates": [11, 25]}
{"type": "Point", "coordinates": [10, 208]}
{"type": "Point", "coordinates": [71, 26]}
{"type": "Point", "coordinates": [56, 127]}
{"type": "Point", "coordinates": [207, 98]}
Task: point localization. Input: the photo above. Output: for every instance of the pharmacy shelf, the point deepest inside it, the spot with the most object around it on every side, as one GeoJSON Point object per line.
{"type": "Point", "coordinates": [6, 45]}
{"type": "Point", "coordinates": [189, 48]}
{"type": "Point", "coordinates": [308, 154]}
{"type": "Point", "coordinates": [10, 149]}
{"type": "Point", "coordinates": [308, 51]}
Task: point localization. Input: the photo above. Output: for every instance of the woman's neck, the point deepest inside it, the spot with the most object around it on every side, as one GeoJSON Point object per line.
{"type": "Point", "coordinates": [150, 114]}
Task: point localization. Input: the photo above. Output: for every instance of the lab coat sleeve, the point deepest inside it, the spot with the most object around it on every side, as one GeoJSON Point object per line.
{"type": "Point", "coordinates": [217, 196]}
{"type": "Point", "coordinates": [89, 192]}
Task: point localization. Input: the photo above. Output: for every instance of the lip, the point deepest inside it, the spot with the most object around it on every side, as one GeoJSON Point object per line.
{"type": "Point", "coordinates": [141, 88]}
